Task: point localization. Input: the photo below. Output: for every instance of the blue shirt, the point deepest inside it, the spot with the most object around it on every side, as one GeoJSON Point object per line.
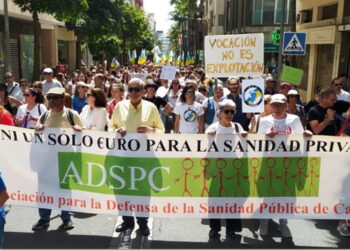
{"type": "Point", "coordinates": [78, 103]}
{"type": "Point", "coordinates": [2, 188]}
{"type": "Point", "coordinates": [239, 116]}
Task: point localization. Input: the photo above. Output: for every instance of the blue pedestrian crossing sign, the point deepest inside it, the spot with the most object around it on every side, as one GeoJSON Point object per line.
{"type": "Point", "coordinates": [294, 43]}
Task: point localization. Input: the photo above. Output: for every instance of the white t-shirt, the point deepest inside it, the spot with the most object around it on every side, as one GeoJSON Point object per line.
{"type": "Point", "coordinates": [225, 130]}
{"type": "Point", "coordinates": [205, 105]}
{"type": "Point", "coordinates": [49, 85]}
{"type": "Point", "coordinates": [289, 125]}
{"type": "Point", "coordinates": [95, 119]}
{"type": "Point", "coordinates": [343, 96]}
{"type": "Point", "coordinates": [173, 98]}
{"type": "Point", "coordinates": [189, 117]}
{"type": "Point", "coordinates": [23, 110]}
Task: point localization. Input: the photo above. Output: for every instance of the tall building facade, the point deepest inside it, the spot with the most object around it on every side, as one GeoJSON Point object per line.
{"type": "Point", "coordinates": [57, 44]}
{"type": "Point", "coordinates": [327, 24]}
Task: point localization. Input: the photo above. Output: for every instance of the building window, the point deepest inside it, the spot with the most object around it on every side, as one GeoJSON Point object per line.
{"type": "Point", "coordinates": [304, 16]}
{"type": "Point", "coordinates": [269, 12]}
{"type": "Point", "coordinates": [347, 8]}
{"type": "Point", "coordinates": [221, 20]}
{"type": "Point", "coordinates": [278, 11]}
{"type": "Point", "coordinates": [328, 12]}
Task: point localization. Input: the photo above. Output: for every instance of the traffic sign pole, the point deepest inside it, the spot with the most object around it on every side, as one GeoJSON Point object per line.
{"type": "Point", "coordinates": [280, 58]}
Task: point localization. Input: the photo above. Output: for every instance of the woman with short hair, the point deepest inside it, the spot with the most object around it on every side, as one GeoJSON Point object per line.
{"type": "Point", "coordinates": [226, 111]}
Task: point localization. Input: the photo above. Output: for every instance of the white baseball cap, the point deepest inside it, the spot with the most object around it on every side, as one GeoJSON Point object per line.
{"type": "Point", "coordinates": [278, 98]}
{"type": "Point", "coordinates": [48, 71]}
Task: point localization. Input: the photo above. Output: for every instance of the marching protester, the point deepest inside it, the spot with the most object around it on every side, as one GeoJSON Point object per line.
{"type": "Point", "coordinates": [49, 82]}
{"type": "Point", "coordinates": [210, 106]}
{"type": "Point", "coordinates": [10, 103]}
{"type": "Point", "coordinates": [29, 113]}
{"type": "Point", "coordinates": [13, 87]}
{"type": "Point", "coordinates": [255, 121]}
{"type": "Point", "coordinates": [226, 110]}
{"type": "Point", "coordinates": [279, 123]}
{"type": "Point", "coordinates": [337, 85]}
{"type": "Point", "coordinates": [94, 114]}
{"type": "Point", "coordinates": [57, 117]}
{"type": "Point", "coordinates": [135, 116]}
{"type": "Point", "coordinates": [189, 113]}
{"type": "Point", "coordinates": [117, 92]}
{"type": "Point", "coordinates": [293, 99]}
{"type": "Point", "coordinates": [79, 97]}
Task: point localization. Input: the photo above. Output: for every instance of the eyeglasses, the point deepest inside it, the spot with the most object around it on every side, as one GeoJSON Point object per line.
{"type": "Point", "coordinates": [293, 96]}
{"type": "Point", "coordinates": [136, 90]}
{"type": "Point", "coordinates": [54, 97]}
{"type": "Point", "coordinates": [189, 93]}
{"type": "Point", "coordinates": [229, 111]}
{"type": "Point", "coordinates": [26, 95]}
{"type": "Point", "coordinates": [88, 95]}
{"type": "Point", "coordinates": [24, 85]}
{"type": "Point", "coordinates": [338, 84]}
{"type": "Point", "coordinates": [83, 87]}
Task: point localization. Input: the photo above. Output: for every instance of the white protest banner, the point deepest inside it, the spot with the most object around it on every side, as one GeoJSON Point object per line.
{"type": "Point", "coordinates": [234, 55]}
{"type": "Point", "coordinates": [168, 72]}
{"type": "Point", "coordinates": [253, 96]}
{"type": "Point", "coordinates": [178, 176]}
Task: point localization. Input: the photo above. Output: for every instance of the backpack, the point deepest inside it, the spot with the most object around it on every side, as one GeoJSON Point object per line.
{"type": "Point", "coordinates": [69, 113]}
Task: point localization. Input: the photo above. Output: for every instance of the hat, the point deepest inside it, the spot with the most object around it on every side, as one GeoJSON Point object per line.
{"type": "Point", "coordinates": [48, 71]}
{"type": "Point", "coordinates": [56, 91]}
{"type": "Point", "coordinates": [150, 83]}
{"type": "Point", "coordinates": [81, 84]}
{"type": "Point", "coordinates": [278, 98]}
{"type": "Point", "coordinates": [293, 92]}
{"type": "Point", "coordinates": [286, 84]}
{"type": "Point", "coordinates": [270, 79]}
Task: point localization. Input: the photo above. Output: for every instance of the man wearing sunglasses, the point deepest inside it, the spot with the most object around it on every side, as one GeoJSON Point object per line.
{"type": "Point", "coordinates": [49, 81]}
{"type": "Point", "coordinates": [135, 115]}
{"type": "Point", "coordinates": [13, 87]}
{"type": "Point", "coordinates": [337, 85]}
{"type": "Point", "coordinates": [57, 117]}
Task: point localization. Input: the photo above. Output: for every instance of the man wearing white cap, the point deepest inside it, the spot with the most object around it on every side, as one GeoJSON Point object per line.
{"type": "Point", "coordinates": [49, 81]}
{"type": "Point", "coordinates": [279, 122]}
{"type": "Point", "coordinates": [57, 117]}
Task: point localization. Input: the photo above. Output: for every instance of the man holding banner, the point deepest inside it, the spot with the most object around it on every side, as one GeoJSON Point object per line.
{"type": "Point", "coordinates": [279, 122]}
{"type": "Point", "coordinates": [57, 117]}
{"type": "Point", "coordinates": [135, 116]}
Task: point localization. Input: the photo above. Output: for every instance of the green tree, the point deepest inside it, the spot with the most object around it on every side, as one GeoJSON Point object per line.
{"type": "Point", "coordinates": [63, 10]}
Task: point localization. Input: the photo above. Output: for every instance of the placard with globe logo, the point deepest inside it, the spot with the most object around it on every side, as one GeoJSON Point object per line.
{"type": "Point", "coordinates": [253, 96]}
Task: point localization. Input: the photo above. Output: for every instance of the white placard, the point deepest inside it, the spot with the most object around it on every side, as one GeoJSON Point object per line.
{"type": "Point", "coordinates": [168, 73]}
{"type": "Point", "coordinates": [234, 55]}
{"type": "Point", "coordinates": [253, 96]}
{"type": "Point", "coordinates": [141, 76]}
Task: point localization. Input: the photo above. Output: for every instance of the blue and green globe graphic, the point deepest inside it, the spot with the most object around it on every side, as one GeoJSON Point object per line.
{"type": "Point", "coordinates": [253, 95]}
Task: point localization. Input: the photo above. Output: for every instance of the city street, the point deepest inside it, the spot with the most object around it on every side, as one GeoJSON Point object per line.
{"type": "Point", "coordinates": [97, 231]}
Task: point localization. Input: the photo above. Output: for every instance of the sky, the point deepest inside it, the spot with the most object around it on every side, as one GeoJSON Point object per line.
{"type": "Point", "coordinates": [161, 9]}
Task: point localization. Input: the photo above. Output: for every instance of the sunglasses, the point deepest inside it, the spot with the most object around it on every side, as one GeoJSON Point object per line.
{"type": "Point", "coordinates": [338, 84]}
{"type": "Point", "coordinates": [26, 95]}
{"type": "Point", "coordinates": [136, 90]}
{"type": "Point", "coordinates": [189, 93]}
{"type": "Point", "coordinates": [83, 87]}
{"type": "Point", "coordinates": [88, 95]}
{"type": "Point", "coordinates": [293, 96]}
{"type": "Point", "coordinates": [54, 97]}
{"type": "Point", "coordinates": [229, 111]}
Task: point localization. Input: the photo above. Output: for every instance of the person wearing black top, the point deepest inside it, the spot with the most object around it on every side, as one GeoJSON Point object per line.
{"type": "Point", "coordinates": [321, 117]}
{"type": "Point", "coordinates": [150, 96]}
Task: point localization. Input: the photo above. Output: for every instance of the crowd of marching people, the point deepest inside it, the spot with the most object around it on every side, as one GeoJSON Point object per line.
{"type": "Point", "coordinates": [191, 103]}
